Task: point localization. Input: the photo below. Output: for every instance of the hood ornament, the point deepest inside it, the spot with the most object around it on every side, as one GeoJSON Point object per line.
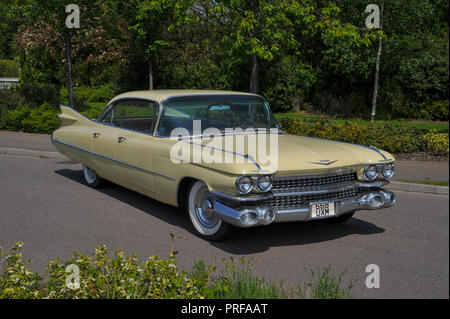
{"type": "Point", "coordinates": [324, 162]}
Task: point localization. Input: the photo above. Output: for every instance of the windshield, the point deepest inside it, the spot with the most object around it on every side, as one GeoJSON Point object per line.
{"type": "Point", "coordinates": [215, 111]}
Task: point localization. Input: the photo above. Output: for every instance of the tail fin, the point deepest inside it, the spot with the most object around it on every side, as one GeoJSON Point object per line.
{"type": "Point", "coordinates": [70, 116]}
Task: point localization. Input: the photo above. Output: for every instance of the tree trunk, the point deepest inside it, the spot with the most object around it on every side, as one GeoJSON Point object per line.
{"type": "Point", "coordinates": [150, 75]}
{"type": "Point", "coordinates": [254, 78]}
{"type": "Point", "coordinates": [69, 68]}
{"type": "Point", "coordinates": [377, 68]}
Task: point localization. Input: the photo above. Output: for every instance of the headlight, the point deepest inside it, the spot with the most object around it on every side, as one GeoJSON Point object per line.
{"type": "Point", "coordinates": [264, 183]}
{"type": "Point", "coordinates": [244, 185]}
{"type": "Point", "coordinates": [388, 171]}
{"type": "Point", "coordinates": [371, 172]}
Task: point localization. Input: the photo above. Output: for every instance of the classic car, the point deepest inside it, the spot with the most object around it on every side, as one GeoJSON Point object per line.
{"type": "Point", "coordinates": [132, 144]}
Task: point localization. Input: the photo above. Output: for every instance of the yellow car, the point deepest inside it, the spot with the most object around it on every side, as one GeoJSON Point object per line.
{"type": "Point", "coordinates": [223, 156]}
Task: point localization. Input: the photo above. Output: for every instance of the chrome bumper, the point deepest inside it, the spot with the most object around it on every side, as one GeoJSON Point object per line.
{"type": "Point", "coordinates": [254, 215]}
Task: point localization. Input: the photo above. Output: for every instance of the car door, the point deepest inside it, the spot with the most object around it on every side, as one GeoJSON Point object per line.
{"type": "Point", "coordinates": [134, 122]}
{"type": "Point", "coordinates": [104, 146]}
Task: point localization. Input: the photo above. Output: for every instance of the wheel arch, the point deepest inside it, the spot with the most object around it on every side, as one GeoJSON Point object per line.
{"type": "Point", "coordinates": [183, 189]}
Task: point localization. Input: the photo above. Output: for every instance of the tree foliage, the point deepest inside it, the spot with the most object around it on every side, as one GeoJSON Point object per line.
{"type": "Point", "coordinates": [313, 55]}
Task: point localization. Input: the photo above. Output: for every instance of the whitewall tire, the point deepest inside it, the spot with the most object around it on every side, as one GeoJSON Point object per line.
{"type": "Point", "coordinates": [205, 223]}
{"type": "Point", "coordinates": [91, 177]}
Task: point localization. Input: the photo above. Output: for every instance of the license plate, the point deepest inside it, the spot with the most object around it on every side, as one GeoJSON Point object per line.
{"type": "Point", "coordinates": [322, 210]}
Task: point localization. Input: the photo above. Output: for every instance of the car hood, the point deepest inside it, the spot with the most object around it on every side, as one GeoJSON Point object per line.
{"type": "Point", "coordinates": [292, 155]}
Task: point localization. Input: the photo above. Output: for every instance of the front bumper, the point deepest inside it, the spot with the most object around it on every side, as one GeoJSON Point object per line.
{"type": "Point", "coordinates": [251, 213]}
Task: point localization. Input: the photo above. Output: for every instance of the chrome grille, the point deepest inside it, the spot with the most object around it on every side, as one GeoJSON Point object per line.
{"type": "Point", "coordinates": [311, 182]}
{"type": "Point", "coordinates": [305, 199]}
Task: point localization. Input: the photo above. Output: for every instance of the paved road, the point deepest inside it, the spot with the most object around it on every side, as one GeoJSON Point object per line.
{"type": "Point", "coordinates": [44, 203]}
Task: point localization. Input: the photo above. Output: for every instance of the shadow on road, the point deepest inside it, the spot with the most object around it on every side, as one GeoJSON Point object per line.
{"type": "Point", "coordinates": [245, 241]}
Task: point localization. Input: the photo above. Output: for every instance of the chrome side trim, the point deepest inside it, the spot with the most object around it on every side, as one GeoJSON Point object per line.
{"type": "Point", "coordinates": [54, 139]}
{"type": "Point", "coordinates": [246, 156]}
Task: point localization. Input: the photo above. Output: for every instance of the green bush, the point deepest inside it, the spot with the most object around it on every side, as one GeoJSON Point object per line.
{"type": "Point", "coordinates": [103, 93]}
{"type": "Point", "coordinates": [10, 99]}
{"type": "Point", "coordinates": [34, 120]}
{"type": "Point", "coordinates": [437, 143]}
{"type": "Point", "coordinates": [434, 111]}
{"type": "Point", "coordinates": [288, 84]}
{"type": "Point", "coordinates": [391, 138]}
{"type": "Point", "coordinates": [9, 69]}
{"type": "Point", "coordinates": [40, 93]}
{"type": "Point", "coordinates": [121, 276]}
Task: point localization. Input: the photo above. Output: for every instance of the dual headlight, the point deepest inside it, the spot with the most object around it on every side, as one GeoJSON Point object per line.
{"type": "Point", "coordinates": [246, 184]}
{"type": "Point", "coordinates": [386, 171]}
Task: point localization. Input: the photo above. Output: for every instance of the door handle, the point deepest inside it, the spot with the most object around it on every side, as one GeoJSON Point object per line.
{"type": "Point", "coordinates": [95, 135]}
{"type": "Point", "coordinates": [120, 139]}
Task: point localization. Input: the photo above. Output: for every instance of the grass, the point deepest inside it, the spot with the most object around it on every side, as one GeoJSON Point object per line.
{"type": "Point", "coordinates": [241, 283]}
{"type": "Point", "coordinates": [436, 183]}
{"type": "Point", "coordinates": [441, 127]}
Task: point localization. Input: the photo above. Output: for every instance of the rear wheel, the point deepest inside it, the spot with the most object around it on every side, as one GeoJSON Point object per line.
{"type": "Point", "coordinates": [205, 223]}
{"type": "Point", "coordinates": [341, 219]}
{"type": "Point", "coordinates": [91, 177]}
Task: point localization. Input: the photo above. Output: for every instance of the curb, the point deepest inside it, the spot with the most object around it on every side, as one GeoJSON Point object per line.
{"type": "Point", "coordinates": [400, 186]}
{"type": "Point", "coordinates": [418, 188]}
{"type": "Point", "coordinates": [34, 153]}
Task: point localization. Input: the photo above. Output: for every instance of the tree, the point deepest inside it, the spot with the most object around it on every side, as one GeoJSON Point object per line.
{"type": "Point", "coordinates": [151, 20]}
{"type": "Point", "coordinates": [100, 40]}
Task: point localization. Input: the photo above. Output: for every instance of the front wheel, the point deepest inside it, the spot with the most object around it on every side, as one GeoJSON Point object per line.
{"type": "Point", "coordinates": [205, 223]}
{"type": "Point", "coordinates": [91, 177]}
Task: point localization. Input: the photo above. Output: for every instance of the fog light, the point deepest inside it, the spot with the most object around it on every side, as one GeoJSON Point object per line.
{"type": "Point", "coordinates": [268, 216]}
{"type": "Point", "coordinates": [390, 198]}
{"type": "Point", "coordinates": [376, 201]}
{"type": "Point", "coordinates": [249, 218]}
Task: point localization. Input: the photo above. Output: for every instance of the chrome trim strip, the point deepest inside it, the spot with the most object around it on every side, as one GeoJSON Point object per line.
{"type": "Point", "coordinates": [249, 157]}
{"type": "Point", "coordinates": [54, 139]}
{"type": "Point", "coordinates": [365, 146]}
{"type": "Point", "coordinates": [250, 198]}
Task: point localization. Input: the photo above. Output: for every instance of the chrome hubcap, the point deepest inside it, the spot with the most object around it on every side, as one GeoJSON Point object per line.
{"type": "Point", "coordinates": [203, 209]}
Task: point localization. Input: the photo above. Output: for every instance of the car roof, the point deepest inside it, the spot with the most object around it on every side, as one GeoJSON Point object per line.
{"type": "Point", "coordinates": [159, 95]}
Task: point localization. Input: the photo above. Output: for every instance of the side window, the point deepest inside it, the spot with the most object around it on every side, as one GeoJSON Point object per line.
{"type": "Point", "coordinates": [108, 117]}
{"type": "Point", "coordinates": [135, 115]}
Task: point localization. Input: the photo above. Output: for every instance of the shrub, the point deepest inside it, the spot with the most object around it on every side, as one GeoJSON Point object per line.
{"type": "Point", "coordinates": [103, 93]}
{"type": "Point", "coordinates": [38, 94]}
{"type": "Point", "coordinates": [391, 138]}
{"type": "Point", "coordinates": [121, 276]}
{"type": "Point", "coordinates": [437, 143]}
{"type": "Point", "coordinates": [9, 69]}
{"type": "Point", "coordinates": [34, 120]}
{"type": "Point", "coordinates": [100, 276]}
{"type": "Point", "coordinates": [10, 99]}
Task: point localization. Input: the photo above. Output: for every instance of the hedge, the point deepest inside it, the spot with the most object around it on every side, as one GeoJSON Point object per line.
{"type": "Point", "coordinates": [391, 138]}
{"type": "Point", "coordinates": [122, 276]}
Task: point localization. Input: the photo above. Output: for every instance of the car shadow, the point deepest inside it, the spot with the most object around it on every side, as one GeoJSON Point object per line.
{"type": "Point", "coordinates": [246, 241]}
